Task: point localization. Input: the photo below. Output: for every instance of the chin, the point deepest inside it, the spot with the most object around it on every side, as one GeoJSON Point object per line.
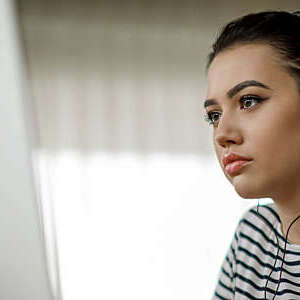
{"type": "Point", "coordinates": [248, 194]}
{"type": "Point", "coordinates": [248, 190]}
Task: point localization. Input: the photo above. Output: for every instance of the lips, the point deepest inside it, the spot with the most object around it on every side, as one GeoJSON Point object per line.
{"type": "Point", "coordinates": [233, 163]}
{"type": "Point", "coordinates": [232, 157]}
{"type": "Point", "coordinates": [236, 166]}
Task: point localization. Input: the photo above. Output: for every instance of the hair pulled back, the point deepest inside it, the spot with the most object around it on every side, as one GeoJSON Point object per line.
{"type": "Point", "coordinates": [279, 29]}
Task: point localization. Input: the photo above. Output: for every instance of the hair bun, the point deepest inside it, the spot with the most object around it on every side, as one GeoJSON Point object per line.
{"type": "Point", "coordinates": [296, 13]}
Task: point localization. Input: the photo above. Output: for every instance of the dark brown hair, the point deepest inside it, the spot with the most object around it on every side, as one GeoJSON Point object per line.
{"type": "Point", "coordinates": [279, 29]}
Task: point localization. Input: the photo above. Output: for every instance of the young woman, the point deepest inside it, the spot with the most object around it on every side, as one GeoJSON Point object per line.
{"type": "Point", "coordinates": [253, 105]}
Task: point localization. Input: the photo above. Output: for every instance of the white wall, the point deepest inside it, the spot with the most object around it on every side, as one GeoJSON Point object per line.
{"type": "Point", "coordinates": [23, 274]}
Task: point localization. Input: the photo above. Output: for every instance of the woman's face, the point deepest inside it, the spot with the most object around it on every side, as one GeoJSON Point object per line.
{"type": "Point", "coordinates": [266, 131]}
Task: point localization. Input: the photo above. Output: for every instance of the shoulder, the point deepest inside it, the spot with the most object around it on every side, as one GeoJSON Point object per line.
{"type": "Point", "coordinates": [267, 211]}
{"type": "Point", "coordinates": [259, 218]}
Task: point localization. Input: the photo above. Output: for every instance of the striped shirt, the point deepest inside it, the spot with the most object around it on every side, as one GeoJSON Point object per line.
{"type": "Point", "coordinates": [251, 257]}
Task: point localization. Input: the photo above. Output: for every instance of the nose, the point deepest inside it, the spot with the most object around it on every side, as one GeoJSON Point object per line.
{"type": "Point", "coordinates": [227, 132]}
{"type": "Point", "coordinates": [225, 140]}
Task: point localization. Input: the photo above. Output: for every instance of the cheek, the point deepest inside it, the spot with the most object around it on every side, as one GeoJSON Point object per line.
{"type": "Point", "coordinates": [277, 143]}
{"type": "Point", "coordinates": [219, 152]}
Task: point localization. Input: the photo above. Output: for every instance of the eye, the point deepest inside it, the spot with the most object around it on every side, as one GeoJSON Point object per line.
{"type": "Point", "coordinates": [210, 117]}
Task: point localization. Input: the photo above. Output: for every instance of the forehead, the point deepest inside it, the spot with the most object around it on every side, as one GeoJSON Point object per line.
{"type": "Point", "coordinates": [247, 62]}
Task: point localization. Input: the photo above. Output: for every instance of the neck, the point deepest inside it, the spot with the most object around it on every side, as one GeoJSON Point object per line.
{"type": "Point", "coordinates": [287, 215]}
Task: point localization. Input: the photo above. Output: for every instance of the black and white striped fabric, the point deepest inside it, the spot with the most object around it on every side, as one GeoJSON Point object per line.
{"type": "Point", "coordinates": [251, 257]}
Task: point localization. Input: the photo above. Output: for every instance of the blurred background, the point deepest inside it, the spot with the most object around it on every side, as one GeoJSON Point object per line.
{"type": "Point", "coordinates": [134, 203]}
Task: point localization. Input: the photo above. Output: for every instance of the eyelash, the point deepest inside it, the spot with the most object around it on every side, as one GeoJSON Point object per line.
{"type": "Point", "coordinates": [208, 116]}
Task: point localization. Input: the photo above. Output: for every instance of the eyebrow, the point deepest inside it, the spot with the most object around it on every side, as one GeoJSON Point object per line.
{"type": "Point", "coordinates": [237, 88]}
